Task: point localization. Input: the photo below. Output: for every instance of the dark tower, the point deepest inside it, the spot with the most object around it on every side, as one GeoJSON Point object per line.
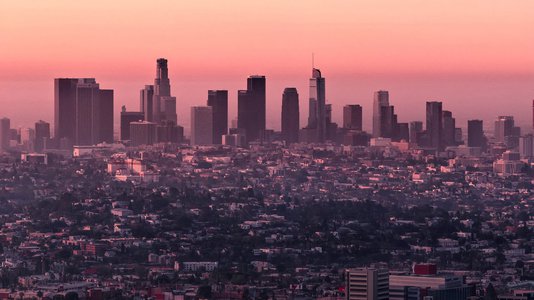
{"type": "Point", "coordinates": [434, 124]}
{"type": "Point", "coordinates": [352, 117]}
{"type": "Point", "coordinates": [290, 115]}
{"type": "Point", "coordinates": [218, 100]}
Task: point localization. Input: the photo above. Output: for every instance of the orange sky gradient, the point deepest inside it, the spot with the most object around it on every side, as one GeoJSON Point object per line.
{"type": "Point", "coordinates": [475, 56]}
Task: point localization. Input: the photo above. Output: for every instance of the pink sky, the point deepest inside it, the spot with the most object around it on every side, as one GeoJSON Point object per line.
{"type": "Point", "coordinates": [475, 56]}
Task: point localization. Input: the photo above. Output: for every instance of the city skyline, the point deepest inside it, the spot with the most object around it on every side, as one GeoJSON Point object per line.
{"type": "Point", "coordinates": [463, 55]}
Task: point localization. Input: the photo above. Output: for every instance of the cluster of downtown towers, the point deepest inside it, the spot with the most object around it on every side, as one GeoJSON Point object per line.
{"type": "Point", "coordinates": [83, 115]}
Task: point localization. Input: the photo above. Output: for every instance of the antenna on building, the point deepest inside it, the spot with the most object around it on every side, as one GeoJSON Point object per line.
{"type": "Point", "coordinates": [313, 60]}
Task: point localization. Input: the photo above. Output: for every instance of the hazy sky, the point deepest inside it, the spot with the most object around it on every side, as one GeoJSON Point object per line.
{"type": "Point", "coordinates": [476, 56]}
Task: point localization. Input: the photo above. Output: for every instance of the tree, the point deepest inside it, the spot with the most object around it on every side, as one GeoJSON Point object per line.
{"type": "Point", "coordinates": [491, 294]}
{"type": "Point", "coordinates": [204, 292]}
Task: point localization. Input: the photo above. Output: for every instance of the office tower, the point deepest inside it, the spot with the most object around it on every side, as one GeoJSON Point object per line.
{"type": "Point", "coordinates": [201, 125]}
{"type": "Point", "coordinates": [532, 114]}
{"type": "Point", "coordinates": [290, 116]}
{"type": "Point", "coordinates": [65, 92]}
{"type": "Point", "coordinates": [251, 108]}
{"type": "Point", "coordinates": [147, 102]}
{"type": "Point", "coordinates": [449, 129]}
{"type": "Point", "coordinates": [169, 109]}
{"type": "Point", "coordinates": [27, 139]}
{"type": "Point", "coordinates": [458, 136]}
{"type": "Point", "coordinates": [475, 134]}
{"type": "Point", "coordinates": [106, 116]}
{"type": "Point", "coordinates": [245, 113]}
{"type": "Point", "coordinates": [416, 127]}
{"type": "Point", "coordinates": [5, 133]}
{"type": "Point", "coordinates": [42, 135]}
{"type": "Point", "coordinates": [257, 86]}
{"type": "Point", "coordinates": [526, 146]}
{"type": "Point", "coordinates": [352, 117]}
{"type": "Point", "coordinates": [87, 122]}
{"type": "Point", "coordinates": [434, 124]}
{"type": "Point", "coordinates": [388, 122]}
{"type": "Point", "coordinates": [83, 112]}
{"type": "Point", "coordinates": [318, 106]}
{"type": "Point", "coordinates": [381, 99]}
{"type": "Point", "coordinates": [162, 88]}
{"type": "Point", "coordinates": [367, 284]}
{"type": "Point", "coordinates": [504, 127]}
{"type": "Point", "coordinates": [218, 101]}
{"type": "Point", "coordinates": [142, 133]}
{"type": "Point", "coordinates": [128, 117]}
{"type": "Point", "coordinates": [169, 132]}
{"type": "Point", "coordinates": [403, 132]}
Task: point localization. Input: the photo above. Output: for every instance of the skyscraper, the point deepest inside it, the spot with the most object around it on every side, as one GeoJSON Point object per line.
{"type": "Point", "coordinates": [449, 129]}
{"type": "Point", "coordinates": [504, 126]}
{"type": "Point", "coordinates": [147, 102]}
{"type": "Point", "coordinates": [65, 91]}
{"type": "Point", "coordinates": [381, 99]}
{"type": "Point", "coordinates": [162, 88]}
{"type": "Point", "coordinates": [218, 101]}
{"type": "Point", "coordinates": [128, 117]}
{"type": "Point", "coordinates": [251, 108]}
{"type": "Point", "coordinates": [83, 112]}
{"type": "Point", "coordinates": [434, 124]}
{"type": "Point", "coordinates": [475, 134]}
{"type": "Point", "coordinates": [5, 133]}
{"type": "Point", "coordinates": [106, 116]}
{"type": "Point", "coordinates": [42, 135]}
{"type": "Point", "coordinates": [169, 109]}
{"type": "Point", "coordinates": [201, 125]}
{"type": "Point", "coordinates": [352, 117]}
{"type": "Point", "coordinates": [317, 112]}
{"type": "Point", "coordinates": [27, 139]}
{"type": "Point", "coordinates": [169, 132]}
{"type": "Point", "coordinates": [290, 115]}
{"type": "Point", "coordinates": [367, 284]}
{"type": "Point", "coordinates": [142, 133]}
{"type": "Point", "coordinates": [416, 127]}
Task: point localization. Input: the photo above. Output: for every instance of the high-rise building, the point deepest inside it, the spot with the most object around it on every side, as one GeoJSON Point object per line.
{"type": "Point", "coordinates": [416, 127]}
{"type": "Point", "coordinates": [352, 117]}
{"type": "Point", "coordinates": [317, 113]}
{"type": "Point", "coordinates": [5, 133]}
{"type": "Point", "coordinates": [169, 109]}
{"type": "Point", "coordinates": [526, 146]}
{"type": "Point", "coordinates": [434, 124]}
{"type": "Point", "coordinates": [381, 99]}
{"type": "Point", "coordinates": [168, 132]}
{"type": "Point", "coordinates": [147, 102]}
{"type": "Point", "coordinates": [201, 125]}
{"type": "Point", "coordinates": [218, 101]}
{"type": "Point", "coordinates": [449, 129]}
{"type": "Point", "coordinates": [65, 95]}
{"type": "Point", "coordinates": [251, 111]}
{"type": "Point", "coordinates": [142, 133]}
{"type": "Point", "coordinates": [367, 284]}
{"type": "Point", "coordinates": [128, 117]}
{"type": "Point", "coordinates": [83, 112]}
{"type": "Point", "coordinates": [475, 134]}
{"type": "Point", "coordinates": [388, 122]}
{"type": "Point", "coordinates": [42, 135]}
{"type": "Point", "coordinates": [504, 127]}
{"type": "Point", "coordinates": [162, 88]}
{"type": "Point", "coordinates": [106, 116]}
{"type": "Point", "coordinates": [290, 115]}
{"type": "Point", "coordinates": [27, 139]}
